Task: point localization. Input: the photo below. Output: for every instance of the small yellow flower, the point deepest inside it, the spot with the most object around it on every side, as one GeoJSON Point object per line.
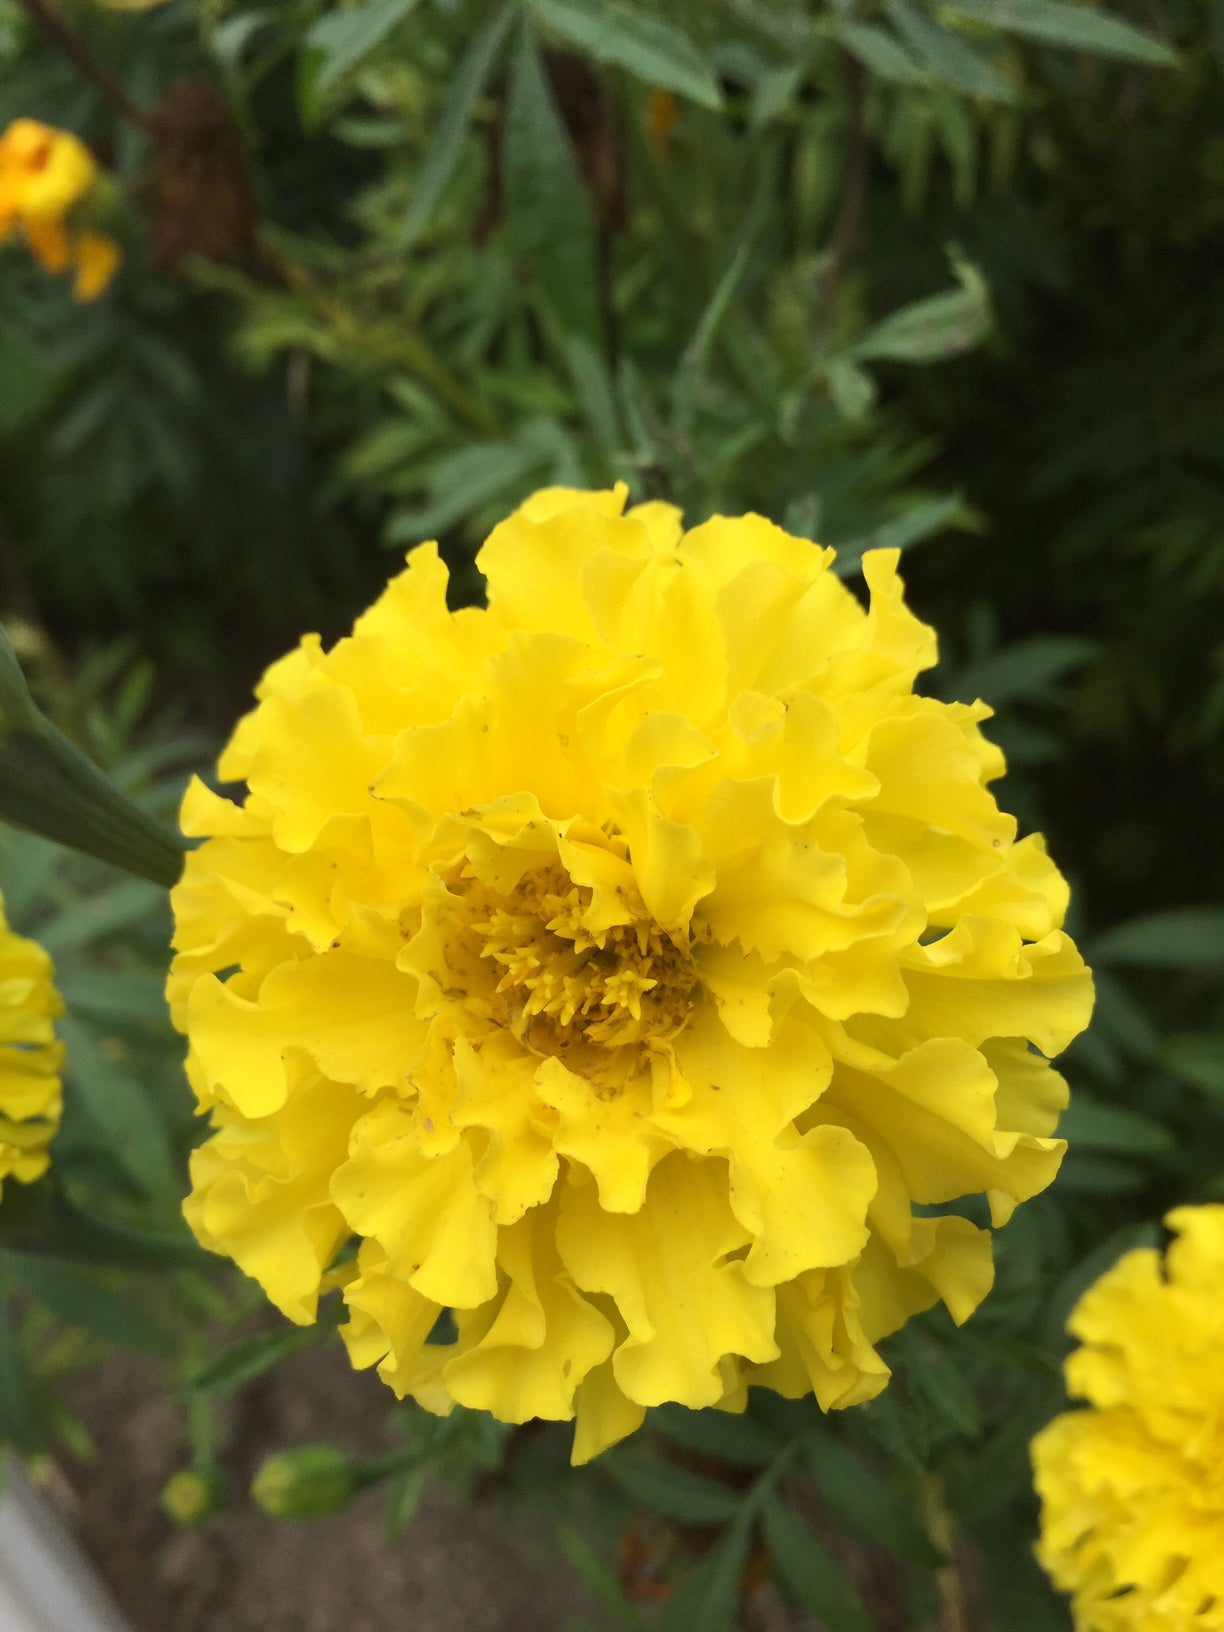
{"type": "Point", "coordinates": [619, 965]}
{"type": "Point", "coordinates": [44, 175]}
{"type": "Point", "coordinates": [1133, 1487]}
{"type": "Point", "coordinates": [30, 1057]}
{"type": "Point", "coordinates": [662, 112]}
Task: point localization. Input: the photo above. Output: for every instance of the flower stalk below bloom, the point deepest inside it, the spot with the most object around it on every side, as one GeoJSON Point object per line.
{"type": "Point", "coordinates": [49, 787]}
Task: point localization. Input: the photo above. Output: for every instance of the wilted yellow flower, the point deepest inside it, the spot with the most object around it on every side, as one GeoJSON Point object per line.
{"type": "Point", "coordinates": [619, 965]}
{"type": "Point", "coordinates": [1133, 1488]}
{"type": "Point", "coordinates": [44, 175]}
{"type": "Point", "coordinates": [30, 1057]}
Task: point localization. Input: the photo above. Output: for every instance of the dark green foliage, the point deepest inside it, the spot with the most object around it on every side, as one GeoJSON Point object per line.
{"type": "Point", "coordinates": [891, 273]}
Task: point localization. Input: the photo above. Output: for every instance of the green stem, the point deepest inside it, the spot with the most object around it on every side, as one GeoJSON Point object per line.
{"type": "Point", "coordinates": [48, 786]}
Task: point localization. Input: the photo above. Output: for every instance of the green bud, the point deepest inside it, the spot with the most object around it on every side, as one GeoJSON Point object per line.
{"type": "Point", "coordinates": [48, 786]}
{"type": "Point", "coordinates": [193, 1494]}
{"type": "Point", "coordinates": [306, 1483]}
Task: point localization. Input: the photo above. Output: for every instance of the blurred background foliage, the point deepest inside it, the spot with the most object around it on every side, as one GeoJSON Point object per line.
{"type": "Point", "coordinates": [948, 276]}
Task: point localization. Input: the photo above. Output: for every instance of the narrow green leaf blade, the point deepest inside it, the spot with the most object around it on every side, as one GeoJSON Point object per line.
{"type": "Point", "coordinates": [882, 53]}
{"type": "Point", "coordinates": [1198, 1058]}
{"type": "Point", "coordinates": [548, 213]}
{"type": "Point", "coordinates": [931, 329]}
{"type": "Point", "coordinates": [131, 997]}
{"type": "Point", "coordinates": [82, 1300]}
{"type": "Point", "coordinates": [673, 1491]}
{"type": "Point", "coordinates": [651, 48]}
{"type": "Point", "coordinates": [1091, 1124]}
{"type": "Point", "coordinates": [344, 38]}
{"type": "Point", "coordinates": [815, 1579]}
{"type": "Point", "coordinates": [249, 1357]}
{"type": "Point", "coordinates": [126, 1119]}
{"type": "Point", "coordinates": [734, 1437]}
{"type": "Point", "coordinates": [1179, 939]}
{"type": "Point", "coordinates": [949, 57]}
{"type": "Point", "coordinates": [918, 523]}
{"type": "Point", "coordinates": [710, 1598]}
{"type": "Point", "coordinates": [95, 918]}
{"type": "Point", "coordinates": [864, 1501]}
{"type": "Point", "coordinates": [1027, 669]}
{"type": "Point", "coordinates": [21, 1421]}
{"type": "Point", "coordinates": [1077, 28]}
{"type": "Point", "coordinates": [470, 78]}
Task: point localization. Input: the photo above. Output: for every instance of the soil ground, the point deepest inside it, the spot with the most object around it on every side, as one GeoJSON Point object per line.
{"type": "Point", "coordinates": [459, 1566]}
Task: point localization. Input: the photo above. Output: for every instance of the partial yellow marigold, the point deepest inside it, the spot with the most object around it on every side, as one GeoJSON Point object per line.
{"type": "Point", "coordinates": [619, 965]}
{"type": "Point", "coordinates": [30, 1057]}
{"type": "Point", "coordinates": [1132, 1489]}
{"type": "Point", "coordinates": [44, 175]}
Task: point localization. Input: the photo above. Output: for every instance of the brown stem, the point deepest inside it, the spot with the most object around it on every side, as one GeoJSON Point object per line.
{"type": "Point", "coordinates": [848, 227]}
{"type": "Point", "coordinates": [69, 43]}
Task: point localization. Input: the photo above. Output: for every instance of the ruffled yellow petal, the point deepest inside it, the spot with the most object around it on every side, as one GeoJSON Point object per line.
{"type": "Point", "coordinates": [1132, 1522]}
{"type": "Point", "coordinates": [685, 1302]}
{"type": "Point", "coordinates": [30, 1058]}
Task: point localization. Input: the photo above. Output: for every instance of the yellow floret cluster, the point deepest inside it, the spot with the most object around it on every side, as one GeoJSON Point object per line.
{"type": "Point", "coordinates": [45, 174]}
{"type": "Point", "coordinates": [618, 965]}
{"type": "Point", "coordinates": [30, 1057]}
{"type": "Point", "coordinates": [1133, 1487]}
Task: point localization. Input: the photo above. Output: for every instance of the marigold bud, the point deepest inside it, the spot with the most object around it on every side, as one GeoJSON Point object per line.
{"type": "Point", "coordinates": [305, 1483]}
{"type": "Point", "coordinates": [193, 1494]}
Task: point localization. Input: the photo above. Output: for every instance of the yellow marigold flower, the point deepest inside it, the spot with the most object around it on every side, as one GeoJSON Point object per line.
{"type": "Point", "coordinates": [44, 175]}
{"type": "Point", "coordinates": [1133, 1488]}
{"type": "Point", "coordinates": [30, 1057]}
{"type": "Point", "coordinates": [619, 964]}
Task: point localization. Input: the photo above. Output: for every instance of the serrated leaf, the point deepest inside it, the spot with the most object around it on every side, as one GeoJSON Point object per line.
{"type": "Point", "coordinates": [249, 1357]}
{"type": "Point", "coordinates": [949, 57]}
{"type": "Point", "coordinates": [1090, 1124]}
{"type": "Point", "coordinates": [1077, 28]}
{"type": "Point", "coordinates": [1025, 670]}
{"type": "Point", "coordinates": [881, 52]}
{"type": "Point", "coordinates": [343, 38]}
{"type": "Point", "coordinates": [1179, 939]}
{"type": "Point", "coordinates": [865, 1502]}
{"type": "Point", "coordinates": [462, 483]}
{"type": "Point", "coordinates": [467, 83]}
{"type": "Point", "coordinates": [921, 521]}
{"type": "Point", "coordinates": [229, 40]}
{"type": "Point", "coordinates": [1198, 1058]}
{"type": "Point", "coordinates": [650, 47]}
{"type": "Point", "coordinates": [548, 213]}
{"type": "Point", "coordinates": [852, 389]}
{"type": "Point", "coordinates": [929, 330]}
{"type": "Point", "coordinates": [81, 1300]}
{"type": "Point", "coordinates": [809, 1573]}
{"type": "Point", "coordinates": [673, 1491]}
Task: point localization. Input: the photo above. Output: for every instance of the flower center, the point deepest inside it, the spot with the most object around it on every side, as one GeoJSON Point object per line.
{"type": "Point", "coordinates": [561, 985]}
